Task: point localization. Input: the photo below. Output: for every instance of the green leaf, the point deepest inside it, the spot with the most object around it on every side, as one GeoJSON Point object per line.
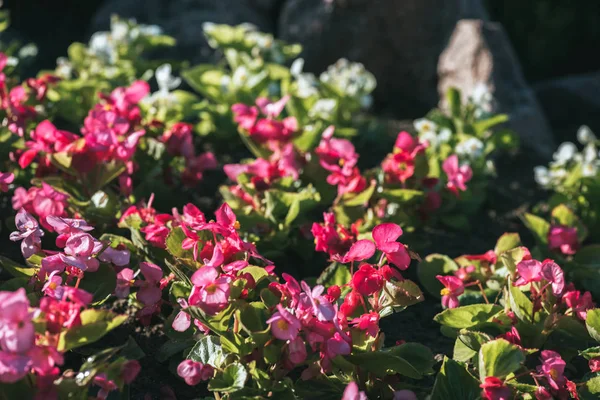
{"type": "Point", "coordinates": [383, 363]}
{"type": "Point", "coordinates": [520, 304]}
{"type": "Point", "coordinates": [231, 380]}
{"type": "Point", "coordinates": [101, 283]}
{"type": "Point", "coordinates": [455, 382]}
{"type": "Point", "coordinates": [205, 79]}
{"type": "Point", "coordinates": [334, 274]}
{"type": "Point", "coordinates": [258, 273]}
{"type": "Point", "coordinates": [590, 353]}
{"type": "Point", "coordinates": [507, 241]}
{"type": "Point", "coordinates": [418, 355]}
{"type": "Point", "coordinates": [208, 350]}
{"type": "Point", "coordinates": [499, 358]}
{"type": "Point", "coordinates": [511, 258]}
{"type": "Point", "coordinates": [592, 322]}
{"type": "Point", "coordinates": [454, 102]}
{"type": "Point", "coordinates": [173, 243]}
{"type": "Point", "coordinates": [401, 294]}
{"type": "Point", "coordinates": [467, 316]}
{"type": "Point", "coordinates": [539, 227]}
{"type": "Point", "coordinates": [15, 269]}
{"type": "Point", "coordinates": [171, 348]}
{"type": "Point", "coordinates": [473, 339]}
{"type": "Point", "coordinates": [430, 267]}
{"type": "Point", "coordinates": [362, 198]}
{"type": "Point", "coordinates": [588, 256]}
{"type": "Point", "coordinates": [483, 125]}
{"type": "Point", "coordinates": [402, 196]}
{"type": "Point", "coordinates": [94, 325]}
{"type": "Point", "coordinates": [590, 389]}
{"type": "Point", "coordinates": [293, 212]}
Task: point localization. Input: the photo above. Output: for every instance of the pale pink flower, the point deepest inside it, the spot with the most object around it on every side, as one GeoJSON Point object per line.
{"type": "Point", "coordinates": [210, 292]}
{"type": "Point", "coordinates": [190, 371]}
{"type": "Point", "coordinates": [17, 332]}
{"type": "Point", "coordinates": [554, 274]}
{"type": "Point", "coordinates": [529, 271]}
{"type": "Point", "coordinates": [124, 282]}
{"type": "Point", "coordinates": [553, 367]}
{"type": "Point", "coordinates": [6, 178]}
{"type": "Point", "coordinates": [321, 306]}
{"type": "Point", "coordinates": [457, 175]}
{"type": "Point", "coordinates": [149, 292]}
{"type": "Point", "coordinates": [297, 350]}
{"type": "Point", "coordinates": [29, 232]}
{"type": "Point", "coordinates": [284, 325]}
{"type": "Point", "coordinates": [353, 393]}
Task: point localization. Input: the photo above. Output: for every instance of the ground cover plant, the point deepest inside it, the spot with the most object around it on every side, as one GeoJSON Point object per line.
{"type": "Point", "coordinates": [234, 212]}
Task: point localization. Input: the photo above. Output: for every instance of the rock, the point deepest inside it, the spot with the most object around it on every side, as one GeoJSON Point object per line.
{"type": "Point", "coordinates": [399, 41]}
{"type": "Point", "coordinates": [183, 19]}
{"type": "Point", "coordinates": [570, 102]}
{"type": "Point", "coordinates": [480, 52]}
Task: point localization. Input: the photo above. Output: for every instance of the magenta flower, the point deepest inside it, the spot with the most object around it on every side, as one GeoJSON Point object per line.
{"type": "Point", "coordinates": [6, 178]}
{"type": "Point", "coordinates": [130, 371]}
{"type": "Point", "coordinates": [118, 257]}
{"type": "Point", "coordinates": [554, 274]}
{"type": "Point", "coordinates": [367, 280]}
{"type": "Point", "coordinates": [453, 287]}
{"type": "Point", "coordinates": [190, 371]}
{"type": "Point", "coordinates": [44, 358]}
{"type": "Point", "coordinates": [553, 367]}
{"type": "Point", "coordinates": [13, 366]}
{"type": "Point", "coordinates": [321, 307]}
{"type": "Point", "coordinates": [106, 386]}
{"type": "Point", "coordinates": [457, 175]}
{"type": "Point", "coordinates": [48, 201]}
{"type": "Point", "coordinates": [494, 389]}
{"type": "Point", "coordinates": [594, 364]}
{"type": "Point", "coordinates": [385, 236]}
{"type": "Point", "coordinates": [272, 110]}
{"type": "Point", "coordinates": [149, 292]}
{"type": "Point", "coordinates": [338, 345]}
{"type": "Point", "coordinates": [578, 303]}
{"type": "Point", "coordinates": [284, 325]}
{"type": "Point", "coordinates": [244, 115]}
{"type": "Point", "coordinates": [124, 283]}
{"type": "Point", "coordinates": [529, 271]}
{"type": "Point", "coordinates": [297, 351]}
{"type": "Point", "coordinates": [29, 232]}
{"type": "Point", "coordinates": [563, 239]}
{"type": "Point", "coordinates": [368, 322]}
{"type": "Point", "coordinates": [65, 227]}
{"type": "Point", "coordinates": [17, 332]}
{"type": "Point", "coordinates": [353, 393]}
{"type": "Point", "coordinates": [210, 292]}
{"type": "Point", "coordinates": [360, 250]}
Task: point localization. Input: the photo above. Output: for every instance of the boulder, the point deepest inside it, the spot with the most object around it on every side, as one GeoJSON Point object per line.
{"type": "Point", "coordinates": [480, 52]}
{"type": "Point", "coordinates": [399, 41]}
{"type": "Point", "coordinates": [183, 19]}
{"type": "Point", "coordinates": [570, 102]}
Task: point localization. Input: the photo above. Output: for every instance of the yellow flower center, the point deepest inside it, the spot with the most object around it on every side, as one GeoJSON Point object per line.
{"type": "Point", "coordinates": [236, 224]}
{"type": "Point", "coordinates": [553, 373]}
{"type": "Point", "coordinates": [212, 288]}
{"type": "Point", "coordinates": [52, 285]}
{"type": "Point", "coordinates": [445, 292]}
{"type": "Point", "coordinates": [282, 324]}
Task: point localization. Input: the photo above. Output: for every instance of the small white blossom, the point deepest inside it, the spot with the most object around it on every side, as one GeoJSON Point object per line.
{"type": "Point", "coordinates": [323, 108]}
{"type": "Point", "coordinates": [445, 135]}
{"type": "Point", "coordinates": [424, 125]}
{"type": "Point", "coordinates": [101, 46]}
{"type": "Point", "coordinates": [165, 80]}
{"type": "Point", "coordinates": [564, 154]}
{"type": "Point", "coordinates": [472, 148]}
{"type": "Point", "coordinates": [585, 135]}
{"type": "Point", "coordinates": [541, 175]}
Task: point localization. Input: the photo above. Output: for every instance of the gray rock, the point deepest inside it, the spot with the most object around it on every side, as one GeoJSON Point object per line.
{"type": "Point", "coordinates": [570, 102]}
{"type": "Point", "coordinates": [183, 19]}
{"type": "Point", "coordinates": [480, 52]}
{"type": "Point", "coordinates": [399, 41]}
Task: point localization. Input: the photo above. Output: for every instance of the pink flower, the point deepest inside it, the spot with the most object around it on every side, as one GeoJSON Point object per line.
{"type": "Point", "coordinates": [404, 394]}
{"type": "Point", "coordinates": [338, 344]}
{"type": "Point", "coordinates": [353, 393]}
{"type": "Point", "coordinates": [44, 358]}
{"type": "Point", "coordinates": [367, 280]}
{"type": "Point", "coordinates": [594, 364]}
{"type": "Point", "coordinates": [178, 139]}
{"type": "Point", "coordinates": [369, 323]}
{"type": "Point", "coordinates": [106, 385]}
{"type": "Point", "coordinates": [512, 336]}
{"type": "Point", "coordinates": [210, 292]}
{"type": "Point", "coordinates": [458, 176]}
{"type": "Point", "coordinates": [554, 274]}
{"type": "Point", "coordinates": [578, 303]}
{"type": "Point", "coordinates": [321, 307]}
{"type": "Point", "coordinates": [13, 366]}
{"type": "Point", "coordinates": [272, 110]}
{"type": "Point", "coordinates": [29, 232]}
{"type": "Point", "coordinates": [385, 236]}
{"type": "Point", "coordinates": [79, 251]}
{"type": "Point", "coordinates": [453, 287]}
{"type": "Point", "coordinates": [244, 115]}
{"type": "Point", "coordinates": [553, 367]}
{"type": "Point", "coordinates": [494, 389]}
{"type": "Point", "coordinates": [118, 257]}
{"type": "Point", "coordinates": [48, 201]}
{"type": "Point", "coordinates": [124, 282]}
{"type": "Point", "coordinates": [297, 350]}
{"type": "Point", "coordinates": [149, 292]}
{"type": "Point", "coordinates": [563, 239]}
{"type": "Point", "coordinates": [130, 371]}
{"type": "Point", "coordinates": [529, 271]}
{"type": "Point", "coordinates": [6, 178]}
{"type": "Point", "coordinates": [360, 250]}
{"type": "Point", "coordinates": [17, 332]}
{"type": "Point", "coordinates": [191, 372]}
{"type": "Point", "coordinates": [284, 325]}
{"type": "Point", "coordinates": [53, 287]}
{"type": "Point", "coordinates": [65, 227]}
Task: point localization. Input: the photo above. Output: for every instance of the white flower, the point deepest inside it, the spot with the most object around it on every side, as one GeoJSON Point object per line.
{"type": "Point", "coordinates": [240, 76]}
{"type": "Point", "coordinates": [541, 175]}
{"type": "Point", "coordinates": [424, 125]}
{"type": "Point", "coordinates": [472, 148]}
{"type": "Point", "coordinates": [297, 67]}
{"type": "Point", "coordinates": [119, 31]}
{"type": "Point", "coordinates": [150, 30]}
{"type": "Point", "coordinates": [29, 50]}
{"type": "Point", "coordinates": [585, 135]}
{"type": "Point", "coordinates": [102, 47]}
{"type": "Point", "coordinates": [589, 169]}
{"type": "Point", "coordinates": [558, 174]}
{"type": "Point", "coordinates": [166, 82]}
{"type": "Point", "coordinates": [565, 153]}
{"type": "Point", "coordinates": [481, 94]}
{"type": "Point", "coordinates": [445, 135]}
{"type": "Point", "coordinates": [430, 137]}
{"type": "Point", "coordinates": [323, 108]}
